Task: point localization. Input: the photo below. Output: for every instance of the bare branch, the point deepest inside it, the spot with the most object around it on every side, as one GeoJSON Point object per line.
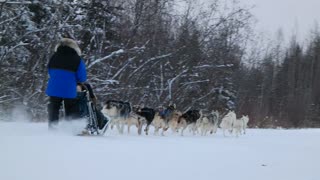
{"type": "Point", "coordinates": [120, 51]}
{"type": "Point", "coordinates": [148, 61]}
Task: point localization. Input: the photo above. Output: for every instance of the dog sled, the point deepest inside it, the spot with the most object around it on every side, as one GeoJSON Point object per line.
{"type": "Point", "coordinates": [97, 123]}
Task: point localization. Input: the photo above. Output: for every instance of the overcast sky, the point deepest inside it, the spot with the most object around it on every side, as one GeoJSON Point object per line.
{"type": "Point", "coordinates": [287, 15]}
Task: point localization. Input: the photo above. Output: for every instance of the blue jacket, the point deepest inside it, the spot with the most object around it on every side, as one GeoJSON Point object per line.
{"type": "Point", "coordinates": [65, 69]}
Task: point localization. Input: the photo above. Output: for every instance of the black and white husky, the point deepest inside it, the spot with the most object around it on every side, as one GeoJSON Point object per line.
{"type": "Point", "coordinates": [118, 112]}
{"type": "Point", "coordinates": [208, 123]}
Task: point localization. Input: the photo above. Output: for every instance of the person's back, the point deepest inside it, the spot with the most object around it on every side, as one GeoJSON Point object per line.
{"type": "Point", "coordinates": [66, 69]}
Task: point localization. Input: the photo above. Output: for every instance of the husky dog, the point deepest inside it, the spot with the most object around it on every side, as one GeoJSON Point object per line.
{"type": "Point", "coordinates": [118, 112]}
{"type": "Point", "coordinates": [241, 125]}
{"type": "Point", "coordinates": [227, 122]}
{"type": "Point", "coordinates": [208, 123]}
{"type": "Point", "coordinates": [135, 119]}
{"type": "Point", "coordinates": [167, 121]}
{"type": "Point", "coordinates": [173, 121]}
{"type": "Point", "coordinates": [245, 120]}
{"type": "Point", "coordinates": [147, 113]}
{"type": "Point", "coordinates": [159, 123]}
{"type": "Point", "coordinates": [163, 118]}
{"type": "Point", "coordinates": [189, 118]}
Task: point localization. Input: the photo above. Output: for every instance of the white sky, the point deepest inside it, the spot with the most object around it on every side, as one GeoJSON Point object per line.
{"type": "Point", "coordinates": [288, 15]}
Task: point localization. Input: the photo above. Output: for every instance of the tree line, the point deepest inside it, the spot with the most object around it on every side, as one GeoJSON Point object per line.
{"type": "Point", "coordinates": [155, 52]}
{"type": "Point", "coordinates": [283, 89]}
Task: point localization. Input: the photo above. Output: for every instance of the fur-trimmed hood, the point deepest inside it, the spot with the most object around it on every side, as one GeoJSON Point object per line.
{"type": "Point", "coordinates": [69, 43]}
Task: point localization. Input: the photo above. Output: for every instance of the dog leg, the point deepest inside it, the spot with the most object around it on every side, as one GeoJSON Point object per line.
{"type": "Point", "coordinates": [156, 130]}
{"type": "Point", "coordinates": [202, 131]}
{"type": "Point", "coordinates": [129, 125]}
{"type": "Point", "coordinates": [162, 133]}
{"type": "Point", "coordinates": [164, 127]}
{"type": "Point", "coordinates": [139, 126]}
{"type": "Point", "coordinates": [237, 132]}
{"type": "Point", "coordinates": [215, 129]}
{"type": "Point", "coordinates": [146, 130]}
{"type": "Point", "coordinates": [230, 129]}
{"type": "Point", "coordinates": [194, 129]}
{"type": "Point", "coordinates": [122, 126]}
{"type": "Point", "coordinates": [118, 126]}
{"type": "Point", "coordinates": [183, 128]}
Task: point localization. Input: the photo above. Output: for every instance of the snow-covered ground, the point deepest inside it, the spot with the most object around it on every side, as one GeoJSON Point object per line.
{"type": "Point", "coordinates": [29, 152]}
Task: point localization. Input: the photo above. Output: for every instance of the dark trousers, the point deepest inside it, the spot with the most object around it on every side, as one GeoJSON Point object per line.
{"type": "Point", "coordinates": [70, 105]}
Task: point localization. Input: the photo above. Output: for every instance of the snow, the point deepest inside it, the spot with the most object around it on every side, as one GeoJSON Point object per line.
{"type": "Point", "coordinates": [30, 152]}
